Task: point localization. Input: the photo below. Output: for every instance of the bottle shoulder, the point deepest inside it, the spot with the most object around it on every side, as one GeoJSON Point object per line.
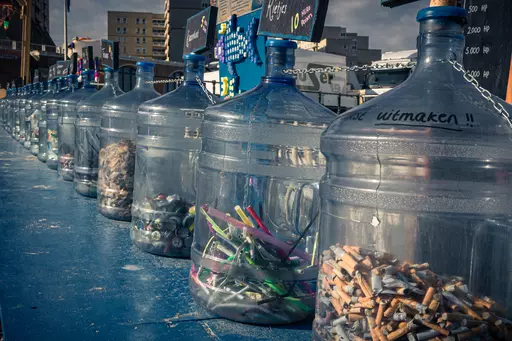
{"type": "Point", "coordinates": [269, 102]}
{"type": "Point", "coordinates": [129, 102]}
{"type": "Point", "coordinates": [185, 97]}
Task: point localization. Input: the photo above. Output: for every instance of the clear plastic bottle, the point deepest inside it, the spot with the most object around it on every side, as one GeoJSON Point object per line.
{"type": "Point", "coordinates": [14, 110]}
{"type": "Point", "coordinates": [417, 187]}
{"type": "Point", "coordinates": [117, 140]}
{"type": "Point", "coordinates": [67, 116]}
{"type": "Point", "coordinates": [87, 135]}
{"type": "Point", "coordinates": [20, 102]}
{"type": "Point", "coordinates": [10, 110]}
{"type": "Point", "coordinates": [165, 168]}
{"type": "Point", "coordinates": [65, 86]}
{"type": "Point", "coordinates": [3, 108]}
{"type": "Point", "coordinates": [42, 154]}
{"type": "Point", "coordinates": [260, 163]}
{"type": "Point", "coordinates": [35, 117]}
{"type": "Point", "coordinates": [29, 102]}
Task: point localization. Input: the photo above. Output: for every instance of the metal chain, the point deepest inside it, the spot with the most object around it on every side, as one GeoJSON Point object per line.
{"type": "Point", "coordinates": [166, 81]}
{"type": "Point", "coordinates": [485, 93]}
{"type": "Point", "coordinates": [206, 92]}
{"type": "Point", "coordinates": [456, 65]}
{"type": "Point", "coordinates": [347, 68]}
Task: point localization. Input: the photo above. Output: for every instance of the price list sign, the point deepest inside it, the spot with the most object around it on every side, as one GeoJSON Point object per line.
{"type": "Point", "coordinates": [488, 47]}
{"type": "Point", "coordinates": [200, 31]}
{"type": "Point", "coordinates": [294, 19]}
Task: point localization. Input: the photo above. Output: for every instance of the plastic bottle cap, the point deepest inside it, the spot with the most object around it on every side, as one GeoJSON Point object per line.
{"type": "Point", "coordinates": [194, 57]}
{"type": "Point", "coordinates": [281, 43]}
{"type": "Point", "coordinates": [441, 12]}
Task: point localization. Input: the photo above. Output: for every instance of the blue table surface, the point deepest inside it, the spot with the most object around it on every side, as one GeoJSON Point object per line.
{"type": "Point", "coordinates": [66, 272]}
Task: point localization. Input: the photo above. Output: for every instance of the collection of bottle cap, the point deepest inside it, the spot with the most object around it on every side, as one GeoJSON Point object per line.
{"type": "Point", "coordinates": [284, 223]}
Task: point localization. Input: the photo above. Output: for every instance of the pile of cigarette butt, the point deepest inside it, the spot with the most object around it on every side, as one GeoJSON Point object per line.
{"type": "Point", "coordinates": [369, 295]}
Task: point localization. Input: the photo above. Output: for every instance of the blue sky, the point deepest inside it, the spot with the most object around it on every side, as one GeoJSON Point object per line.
{"type": "Point", "coordinates": [389, 29]}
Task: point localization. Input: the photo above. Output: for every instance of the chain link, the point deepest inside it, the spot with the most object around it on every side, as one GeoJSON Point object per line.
{"type": "Point", "coordinates": [166, 81]}
{"type": "Point", "coordinates": [355, 68]}
{"type": "Point", "coordinates": [485, 93]}
{"type": "Point", "coordinates": [206, 92]}
{"type": "Point", "coordinates": [456, 65]}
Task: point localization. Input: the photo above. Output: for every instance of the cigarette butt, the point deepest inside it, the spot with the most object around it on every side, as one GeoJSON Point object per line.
{"type": "Point", "coordinates": [413, 304]}
{"type": "Point", "coordinates": [471, 312]}
{"type": "Point", "coordinates": [454, 316]}
{"type": "Point", "coordinates": [339, 282]}
{"type": "Point", "coordinates": [336, 269]}
{"type": "Point", "coordinates": [471, 323]}
{"type": "Point", "coordinates": [398, 333]}
{"type": "Point", "coordinates": [392, 307]}
{"type": "Point", "coordinates": [367, 262]}
{"type": "Point", "coordinates": [380, 335]}
{"type": "Point", "coordinates": [365, 305]}
{"type": "Point", "coordinates": [350, 250]}
{"type": "Point", "coordinates": [343, 295]}
{"type": "Point", "coordinates": [402, 325]}
{"type": "Point", "coordinates": [434, 304]}
{"type": "Point", "coordinates": [347, 258]}
{"type": "Point", "coordinates": [429, 295]}
{"type": "Point", "coordinates": [380, 314]}
{"type": "Point", "coordinates": [349, 269]}
{"type": "Point", "coordinates": [432, 326]}
{"type": "Point", "coordinates": [355, 317]}
{"type": "Point", "coordinates": [364, 285]}
{"type": "Point", "coordinates": [337, 305]}
{"type": "Point", "coordinates": [373, 334]}
{"type": "Point", "coordinates": [435, 3]}
{"type": "Point", "coordinates": [357, 338]}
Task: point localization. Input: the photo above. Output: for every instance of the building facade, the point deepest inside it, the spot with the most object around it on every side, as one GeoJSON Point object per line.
{"type": "Point", "coordinates": [176, 14]}
{"type": "Point", "coordinates": [139, 34]}
{"type": "Point", "coordinates": [42, 46]}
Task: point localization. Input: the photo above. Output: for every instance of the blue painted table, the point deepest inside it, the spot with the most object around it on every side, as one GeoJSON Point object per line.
{"type": "Point", "coordinates": [68, 273]}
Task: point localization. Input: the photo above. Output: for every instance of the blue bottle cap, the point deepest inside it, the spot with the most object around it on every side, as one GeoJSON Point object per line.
{"type": "Point", "coordinates": [281, 43]}
{"type": "Point", "coordinates": [441, 12]}
{"type": "Point", "coordinates": [145, 66]}
{"type": "Point", "coordinates": [107, 69]}
{"type": "Point", "coordinates": [194, 57]}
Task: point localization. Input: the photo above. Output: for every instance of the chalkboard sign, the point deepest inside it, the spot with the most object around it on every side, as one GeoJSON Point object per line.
{"type": "Point", "coordinates": [88, 58]}
{"type": "Point", "coordinates": [63, 67]}
{"type": "Point", "coordinates": [110, 54]}
{"type": "Point", "coordinates": [73, 67]}
{"type": "Point", "coordinates": [293, 19]}
{"type": "Point", "coordinates": [52, 73]}
{"type": "Point", "coordinates": [200, 32]}
{"type": "Point", "coordinates": [489, 43]}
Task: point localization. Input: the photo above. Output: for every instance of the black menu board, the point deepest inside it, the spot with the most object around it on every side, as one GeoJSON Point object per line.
{"type": "Point", "coordinates": [488, 47]}
{"type": "Point", "coordinates": [63, 68]}
{"type": "Point", "coordinates": [200, 31]}
{"type": "Point", "coordinates": [110, 54]}
{"type": "Point", "coordinates": [52, 72]}
{"type": "Point", "coordinates": [293, 19]}
{"type": "Point", "coordinates": [88, 58]}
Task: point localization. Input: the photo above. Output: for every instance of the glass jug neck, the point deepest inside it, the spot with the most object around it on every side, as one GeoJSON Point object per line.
{"type": "Point", "coordinates": [109, 77]}
{"type": "Point", "coordinates": [278, 60]}
{"type": "Point", "coordinates": [145, 74]}
{"type": "Point", "coordinates": [193, 69]}
{"type": "Point", "coordinates": [440, 40]}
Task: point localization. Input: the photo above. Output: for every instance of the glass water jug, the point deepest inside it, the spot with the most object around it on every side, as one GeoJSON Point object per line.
{"type": "Point", "coordinates": [87, 135]}
{"type": "Point", "coordinates": [416, 224]}
{"type": "Point", "coordinates": [117, 142]}
{"type": "Point", "coordinates": [66, 85]}
{"type": "Point", "coordinates": [168, 144]}
{"type": "Point", "coordinates": [257, 201]}
{"type": "Point", "coordinates": [67, 117]}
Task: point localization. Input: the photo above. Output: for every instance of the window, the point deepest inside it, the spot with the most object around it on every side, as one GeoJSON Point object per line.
{"type": "Point", "coordinates": [143, 51]}
{"type": "Point", "coordinates": [138, 30]}
{"type": "Point", "coordinates": [138, 50]}
{"type": "Point", "coordinates": [143, 31]}
{"type": "Point", "coordinates": [138, 40]}
{"type": "Point", "coordinates": [118, 20]}
{"type": "Point", "coordinates": [143, 40]}
{"type": "Point", "coordinates": [137, 21]}
{"type": "Point", "coordinates": [124, 20]}
{"type": "Point", "coordinates": [124, 30]}
{"type": "Point", "coordinates": [124, 49]}
{"type": "Point", "coordinates": [118, 30]}
{"type": "Point", "coordinates": [143, 21]}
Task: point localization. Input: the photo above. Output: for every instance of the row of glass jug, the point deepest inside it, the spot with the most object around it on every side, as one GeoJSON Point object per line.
{"type": "Point", "coordinates": [422, 172]}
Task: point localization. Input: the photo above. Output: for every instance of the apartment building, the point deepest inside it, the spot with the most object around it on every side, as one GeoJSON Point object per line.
{"type": "Point", "coordinates": [140, 34]}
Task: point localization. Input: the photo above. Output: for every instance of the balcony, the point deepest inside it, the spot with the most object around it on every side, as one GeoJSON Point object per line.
{"type": "Point", "coordinates": [159, 43]}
